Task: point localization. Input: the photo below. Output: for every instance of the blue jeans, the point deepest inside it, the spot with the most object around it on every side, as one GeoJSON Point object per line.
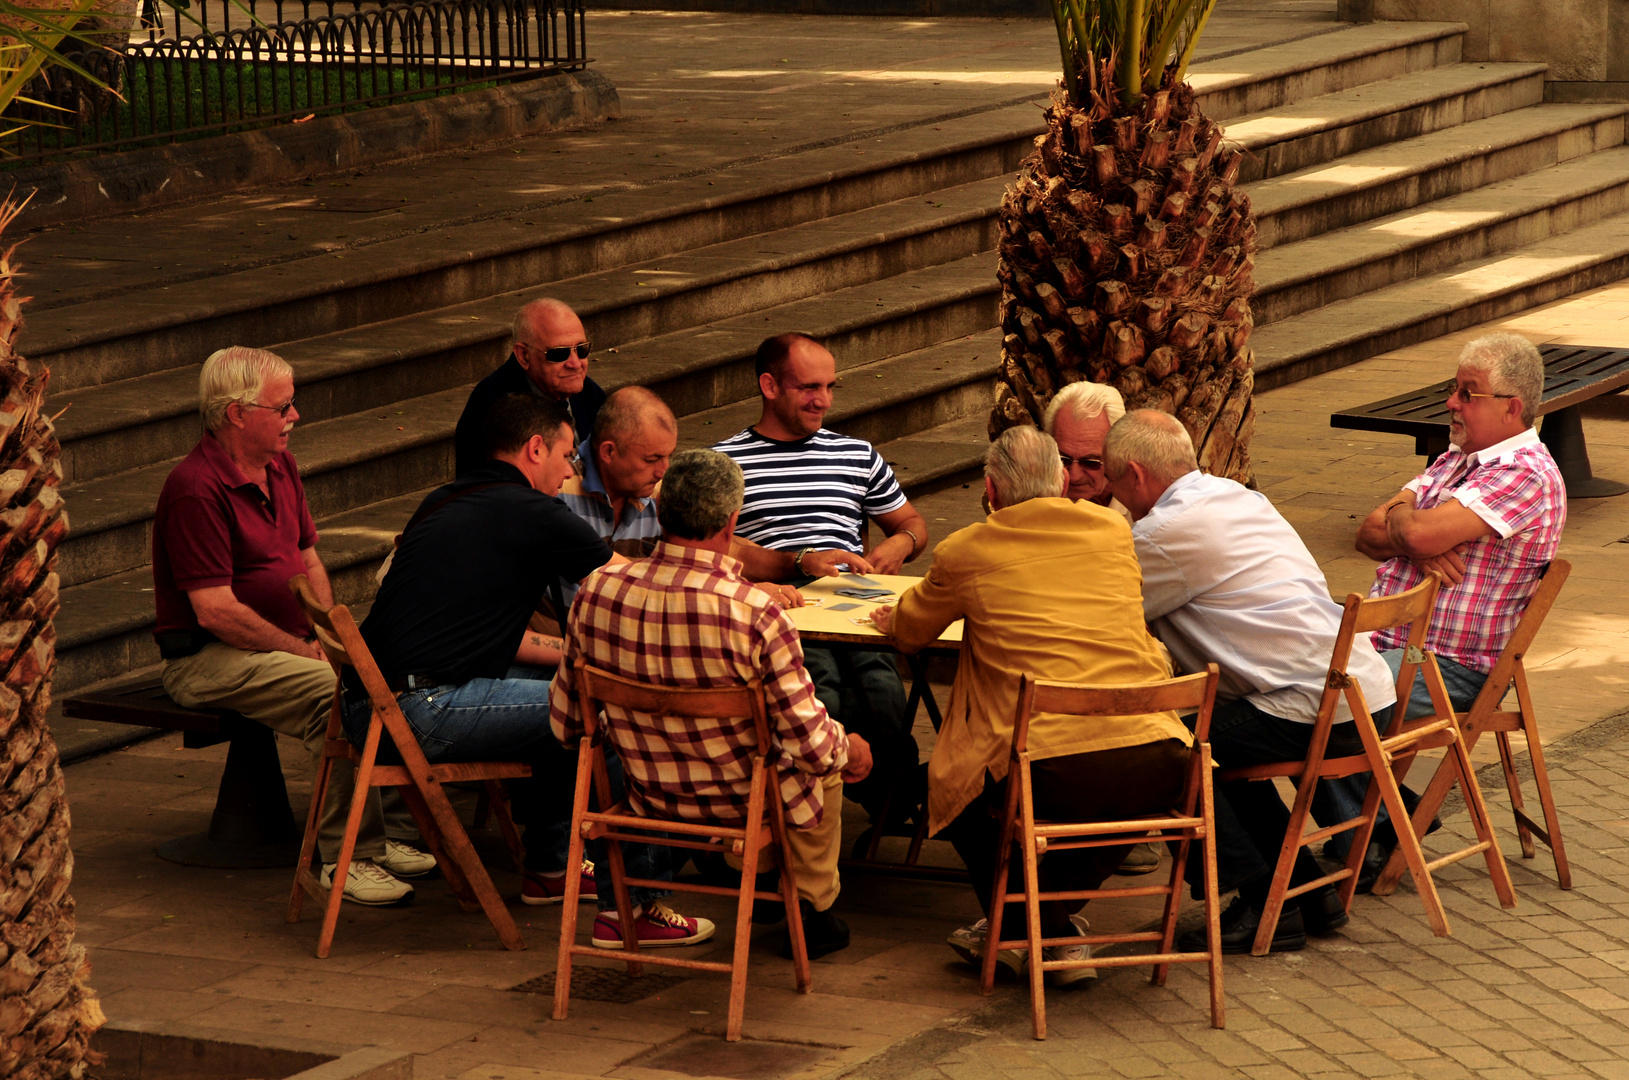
{"type": "Point", "coordinates": [508, 720]}
{"type": "Point", "coordinates": [1341, 800]}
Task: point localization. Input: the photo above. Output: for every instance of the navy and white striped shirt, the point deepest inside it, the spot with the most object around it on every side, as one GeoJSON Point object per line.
{"type": "Point", "coordinates": [813, 493]}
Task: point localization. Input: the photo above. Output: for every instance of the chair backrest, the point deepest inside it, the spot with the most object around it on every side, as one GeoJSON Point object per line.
{"type": "Point", "coordinates": [342, 640]}
{"type": "Point", "coordinates": [1504, 670]}
{"type": "Point", "coordinates": [1081, 699]}
{"type": "Point", "coordinates": [596, 687]}
{"type": "Point", "coordinates": [1365, 614]}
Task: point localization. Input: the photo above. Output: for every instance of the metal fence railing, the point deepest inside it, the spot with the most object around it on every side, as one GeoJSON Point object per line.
{"type": "Point", "coordinates": [232, 78]}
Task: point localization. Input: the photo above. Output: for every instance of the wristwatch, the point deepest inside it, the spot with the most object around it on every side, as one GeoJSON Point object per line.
{"type": "Point", "coordinates": [797, 560]}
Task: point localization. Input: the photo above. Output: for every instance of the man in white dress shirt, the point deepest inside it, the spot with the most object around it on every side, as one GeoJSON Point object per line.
{"type": "Point", "coordinates": [1227, 580]}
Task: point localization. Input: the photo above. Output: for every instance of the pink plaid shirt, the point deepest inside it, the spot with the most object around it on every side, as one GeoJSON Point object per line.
{"type": "Point", "coordinates": [1516, 488]}
{"type": "Point", "coordinates": [686, 618]}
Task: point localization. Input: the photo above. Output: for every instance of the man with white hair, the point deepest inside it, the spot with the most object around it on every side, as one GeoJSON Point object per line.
{"type": "Point", "coordinates": [1078, 419]}
{"type": "Point", "coordinates": [1017, 579]}
{"type": "Point", "coordinates": [548, 356]}
{"type": "Point", "coordinates": [1226, 580]}
{"type": "Point", "coordinates": [1487, 515]}
{"type": "Point", "coordinates": [230, 529]}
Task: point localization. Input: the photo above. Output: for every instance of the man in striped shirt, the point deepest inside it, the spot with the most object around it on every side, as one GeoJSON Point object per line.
{"type": "Point", "coordinates": [809, 493]}
{"type": "Point", "coordinates": [686, 617]}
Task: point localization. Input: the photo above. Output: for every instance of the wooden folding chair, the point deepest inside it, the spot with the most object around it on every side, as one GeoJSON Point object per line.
{"type": "Point", "coordinates": [1386, 757]}
{"type": "Point", "coordinates": [1191, 821]}
{"type": "Point", "coordinates": [419, 782]}
{"type": "Point", "coordinates": [597, 688]}
{"type": "Point", "coordinates": [1485, 715]}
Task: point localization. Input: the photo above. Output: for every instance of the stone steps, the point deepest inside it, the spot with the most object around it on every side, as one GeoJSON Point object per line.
{"type": "Point", "coordinates": [1333, 266]}
{"type": "Point", "coordinates": [1429, 306]}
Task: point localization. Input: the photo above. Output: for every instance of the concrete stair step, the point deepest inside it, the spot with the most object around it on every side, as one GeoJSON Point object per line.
{"type": "Point", "coordinates": [363, 457]}
{"type": "Point", "coordinates": [151, 418]}
{"type": "Point", "coordinates": [163, 321]}
{"type": "Point", "coordinates": [1350, 330]}
{"type": "Point", "coordinates": [1388, 179]}
{"type": "Point", "coordinates": [1261, 79]}
{"type": "Point", "coordinates": [886, 399]}
{"type": "Point", "coordinates": [105, 627]}
{"type": "Point", "coordinates": [1298, 277]}
{"type": "Point", "coordinates": [1304, 133]}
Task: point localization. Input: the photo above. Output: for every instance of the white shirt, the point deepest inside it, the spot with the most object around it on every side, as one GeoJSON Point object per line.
{"type": "Point", "coordinates": [1227, 580]}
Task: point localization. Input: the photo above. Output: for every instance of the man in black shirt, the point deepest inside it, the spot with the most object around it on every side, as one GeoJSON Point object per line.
{"type": "Point", "coordinates": [449, 628]}
{"type": "Point", "coordinates": [548, 356]}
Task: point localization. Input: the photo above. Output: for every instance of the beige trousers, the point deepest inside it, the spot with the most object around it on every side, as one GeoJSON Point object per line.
{"type": "Point", "coordinates": [814, 851]}
{"type": "Point", "coordinates": [291, 695]}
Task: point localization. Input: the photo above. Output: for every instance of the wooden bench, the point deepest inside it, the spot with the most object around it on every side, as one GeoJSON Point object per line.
{"type": "Point", "coordinates": [253, 826]}
{"type": "Point", "coordinates": [1573, 374]}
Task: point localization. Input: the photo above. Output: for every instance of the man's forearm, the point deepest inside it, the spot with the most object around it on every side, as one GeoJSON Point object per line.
{"type": "Point", "coordinates": [238, 626]}
{"type": "Point", "coordinates": [1374, 535]}
{"type": "Point", "coordinates": [761, 563]}
{"type": "Point", "coordinates": [539, 650]}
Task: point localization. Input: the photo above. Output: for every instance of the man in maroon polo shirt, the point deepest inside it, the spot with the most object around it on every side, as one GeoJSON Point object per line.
{"type": "Point", "coordinates": [231, 528]}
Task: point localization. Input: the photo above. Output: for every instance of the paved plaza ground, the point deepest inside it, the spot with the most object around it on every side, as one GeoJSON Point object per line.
{"type": "Point", "coordinates": [1539, 990]}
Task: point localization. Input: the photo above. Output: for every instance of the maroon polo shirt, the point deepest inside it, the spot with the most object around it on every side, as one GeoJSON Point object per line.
{"type": "Point", "coordinates": [214, 526]}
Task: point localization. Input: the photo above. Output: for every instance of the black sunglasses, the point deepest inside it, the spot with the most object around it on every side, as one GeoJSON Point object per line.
{"type": "Point", "coordinates": [1090, 463]}
{"type": "Point", "coordinates": [559, 354]}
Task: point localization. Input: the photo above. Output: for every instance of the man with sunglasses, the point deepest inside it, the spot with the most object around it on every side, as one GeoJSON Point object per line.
{"type": "Point", "coordinates": [1079, 419]}
{"type": "Point", "coordinates": [231, 527]}
{"type": "Point", "coordinates": [1487, 515]}
{"type": "Point", "coordinates": [548, 356]}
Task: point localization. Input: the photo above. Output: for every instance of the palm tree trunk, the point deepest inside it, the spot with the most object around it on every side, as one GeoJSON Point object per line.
{"type": "Point", "coordinates": [47, 1013]}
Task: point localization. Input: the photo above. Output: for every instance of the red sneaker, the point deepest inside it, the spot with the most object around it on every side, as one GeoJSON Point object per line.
{"type": "Point", "coordinates": [658, 926]}
{"type": "Point", "coordinates": [537, 890]}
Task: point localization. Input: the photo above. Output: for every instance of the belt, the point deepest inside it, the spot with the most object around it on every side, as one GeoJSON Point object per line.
{"type": "Point", "coordinates": [177, 644]}
{"type": "Point", "coordinates": [399, 684]}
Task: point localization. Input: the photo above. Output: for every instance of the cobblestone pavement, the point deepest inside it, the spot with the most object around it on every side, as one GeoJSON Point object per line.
{"type": "Point", "coordinates": [1540, 990]}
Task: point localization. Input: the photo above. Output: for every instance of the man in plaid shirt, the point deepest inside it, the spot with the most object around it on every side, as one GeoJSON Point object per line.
{"type": "Point", "coordinates": [1487, 515]}
{"type": "Point", "coordinates": [686, 617]}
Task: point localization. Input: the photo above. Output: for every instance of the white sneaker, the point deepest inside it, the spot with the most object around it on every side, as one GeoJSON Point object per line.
{"type": "Point", "coordinates": [1065, 976]}
{"type": "Point", "coordinates": [405, 861]}
{"type": "Point", "coordinates": [369, 883]}
{"type": "Point", "coordinates": [969, 945]}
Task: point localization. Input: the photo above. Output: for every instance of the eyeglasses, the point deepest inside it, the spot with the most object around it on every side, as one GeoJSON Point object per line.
{"type": "Point", "coordinates": [1090, 463]}
{"type": "Point", "coordinates": [559, 354]}
{"type": "Point", "coordinates": [1458, 391]}
{"type": "Point", "coordinates": [280, 410]}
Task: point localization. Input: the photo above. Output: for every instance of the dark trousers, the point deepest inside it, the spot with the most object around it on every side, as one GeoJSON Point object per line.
{"type": "Point", "coordinates": [1251, 818]}
{"type": "Point", "coordinates": [863, 692]}
{"type": "Point", "coordinates": [1102, 786]}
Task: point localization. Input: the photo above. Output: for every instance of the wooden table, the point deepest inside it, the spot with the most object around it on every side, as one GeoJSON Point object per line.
{"type": "Point", "coordinates": [1573, 374]}
{"type": "Point", "coordinates": [851, 629]}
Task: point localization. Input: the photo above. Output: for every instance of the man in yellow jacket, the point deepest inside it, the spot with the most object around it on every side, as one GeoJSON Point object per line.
{"type": "Point", "coordinates": [1048, 587]}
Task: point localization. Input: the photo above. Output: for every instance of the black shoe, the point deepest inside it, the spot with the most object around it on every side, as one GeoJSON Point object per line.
{"type": "Point", "coordinates": [1374, 861]}
{"type": "Point", "coordinates": [1239, 925]}
{"type": "Point", "coordinates": [823, 932]}
{"type": "Point", "coordinates": [1321, 911]}
{"type": "Point", "coordinates": [768, 912]}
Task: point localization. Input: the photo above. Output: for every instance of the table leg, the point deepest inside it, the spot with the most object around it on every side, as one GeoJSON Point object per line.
{"type": "Point", "coordinates": [252, 827]}
{"type": "Point", "coordinates": [1563, 432]}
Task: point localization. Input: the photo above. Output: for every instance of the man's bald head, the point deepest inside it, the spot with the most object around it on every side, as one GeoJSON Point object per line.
{"type": "Point", "coordinates": [1146, 451]}
{"type": "Point", "coordinates": [634, 436]}
{"type": "Point", "coordinates": [546, 324]}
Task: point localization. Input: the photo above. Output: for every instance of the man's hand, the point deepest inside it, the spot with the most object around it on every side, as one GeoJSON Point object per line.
{"type": "Point", "coordinates": [784, 594]}
{"type": "Point", "coordinates": [826, 563]}
{"type": "Point", "coordinates": [859, 760]}
{"type": "Point", "coordinates": [890, 555]}
{"type": "Point", "coordinates": [883, 619]}
{"type": "Point", "coordinates": [1449, 564]}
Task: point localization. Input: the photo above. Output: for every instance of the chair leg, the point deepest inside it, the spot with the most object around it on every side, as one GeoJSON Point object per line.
{"type": "Point", "coordinates": [1541, 779]}
{"type": "Point", "coordinates": [342, 866]}
{"type": "Point", "coordinates": [1032, 923]}
{"type": "Point", "coordinates": [998, 907]}
{"type": "Point", "coordinates": [625, 916]}
{"type": "Point", "coordinates": [308, 846]}
{"type": "Point", "coordinates": [498, 801]}
{"type": "Point", "coordinates": [1513, 785]}
{"type": "Point", "coordinates": [476, 880]}
{"type": "Point", "coordinates": [1213, 902]}
{"type": "Point", "coordinates": [789, 899]}
{"type": "Point", "coordinates": [574, 857]}
{"type": "Point", "coordinates": [1497, 870]}
{"type": "Point", "coordinates": [1173, 910]}
{"type": "Point", "coordinates": [1288, 852]}
{"type": "Point", "coordinates": [1408, 845]}
{"type": "Point", "coordinates": [428, 829]}
{"type": "Point", "coordinates": [1436, 792]}
{"type": "Point", "coordinates": [743, 904]}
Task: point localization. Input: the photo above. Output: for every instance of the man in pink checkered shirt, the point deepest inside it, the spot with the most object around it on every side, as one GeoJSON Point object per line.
{"type": "Point", "coordinates": [1487, 515]}
{"type": "Point", "coordinates": [685, 617]}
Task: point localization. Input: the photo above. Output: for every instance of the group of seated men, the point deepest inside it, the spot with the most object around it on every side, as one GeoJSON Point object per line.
{"type": "Point", "coordinates": [678, 568]}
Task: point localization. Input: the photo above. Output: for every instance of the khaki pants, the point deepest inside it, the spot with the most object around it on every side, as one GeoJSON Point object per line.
{"type": "Point", "coordinates": [291, 695]}
{"type": "Point", "coordinates": [814, 851]}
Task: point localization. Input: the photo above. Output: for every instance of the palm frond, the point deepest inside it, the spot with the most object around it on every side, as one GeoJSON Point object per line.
{"type": "Point", "coordinates": [1138, 39]}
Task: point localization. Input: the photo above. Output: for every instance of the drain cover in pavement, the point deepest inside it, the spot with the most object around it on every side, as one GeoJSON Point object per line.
{"type": "Point", "coordinates": [749, 1059]}
{"type": "Point", "coordinates": [603, 984]}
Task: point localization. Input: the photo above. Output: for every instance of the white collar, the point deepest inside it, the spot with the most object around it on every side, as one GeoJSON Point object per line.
{"type": "Point", "coordinates": [1501, 451]}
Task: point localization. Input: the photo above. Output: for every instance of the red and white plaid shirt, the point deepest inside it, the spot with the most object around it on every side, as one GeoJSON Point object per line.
{"type": "Point", "coordinates": [1516, 488]}
{"type": "Point", "coordinates": [686, 618]}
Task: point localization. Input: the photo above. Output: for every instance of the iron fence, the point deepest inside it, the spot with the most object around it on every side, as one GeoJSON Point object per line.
{"type": "Point", "coordinates": [171, 87]}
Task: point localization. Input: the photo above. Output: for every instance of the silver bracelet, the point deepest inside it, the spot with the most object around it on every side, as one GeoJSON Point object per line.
{"type": "Point", "coordinates": [916, 542]}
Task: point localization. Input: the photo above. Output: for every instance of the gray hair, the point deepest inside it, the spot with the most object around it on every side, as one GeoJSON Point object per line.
{"type": "Point", "coordinates": [1155, 440]}
{"type": "Point", "coordinates": [1085, 400]}
{"type": "Point", "coordinates": [1023, 464]}
{"type": "Point", "coordinates": [626, 412]}
{"type": "Point", "coordinates": [701, 490]}
{"type": "Point", "coordinates": [1512, 364]}
{"type": "Point", "coordinates": [236, 373]}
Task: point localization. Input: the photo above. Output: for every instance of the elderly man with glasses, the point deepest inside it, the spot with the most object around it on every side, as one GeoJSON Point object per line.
{"type": "Point", "coordinates": [1487, 515]}
{"type": "Point", "coordinates": [1078, 419]}
{"type": "Point", "coordinates": [548, 356]}
{"type": "Point", "coordinates": [230, 528]}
